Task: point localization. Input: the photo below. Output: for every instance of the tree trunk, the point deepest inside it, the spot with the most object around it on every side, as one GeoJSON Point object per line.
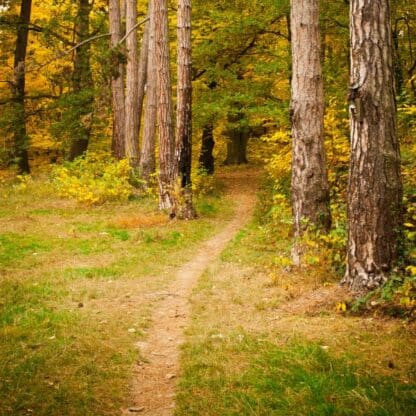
{"type": "Point", "coordinates": [142, 73]}
{"type": "Point", "coordinates": [21, 140]}
{"type": "Point", "coordinates": [147, 156]}
{"type": "Point", "coordinates": [206, 158]}
{"type": "Point", "coordinates": [237, 147]}
{"type": "Point", "coordinates": [82, 83]}
{"type": "Point", "coordinates": [166, 134]}
{"type": "Point", "coordinates": [374, 190]}
{"type": "Point", "coordinates": [310, 192]}
{"type": "Point", "coordinates": [132, 74]}
{"type": "Point", "coordinates": [117, 81]}
{"type": "Point", "coordinates": [183, 151]}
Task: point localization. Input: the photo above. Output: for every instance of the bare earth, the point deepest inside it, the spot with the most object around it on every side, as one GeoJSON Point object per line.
{"type": "Point", "coordinates": [155, 377]}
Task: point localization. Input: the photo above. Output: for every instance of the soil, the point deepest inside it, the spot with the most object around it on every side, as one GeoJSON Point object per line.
{"type": "Point", "coordinates": [156, 373]}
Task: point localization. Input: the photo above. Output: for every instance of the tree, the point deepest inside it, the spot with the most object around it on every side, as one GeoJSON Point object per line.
{"type": "Point", "coordinates": [166, 134]}
{"type": "Point", "coordinates": [132, 74]}
{"type": "Point", "coordinates": [374, 190]}
{"type": "Point", "coordinates": [82, 84]}
{"type": "Point", "coordinates": [183, 151]}
{"type": "Point", "coordinates": [117, 81]}
{"type": "Point", "coordinates": [142, 72]}
{"type": "Point", "coordinates": [310, 191]}
{"type": "Point", "coordinates": [147, 156]}
{"type": "Point", "coordinates": [21, 141]}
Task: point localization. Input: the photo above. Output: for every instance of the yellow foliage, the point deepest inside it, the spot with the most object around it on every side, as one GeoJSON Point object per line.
{"type": "Point", "coordinates": [94, 179]}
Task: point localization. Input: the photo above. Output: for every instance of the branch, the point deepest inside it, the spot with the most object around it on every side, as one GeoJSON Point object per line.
{"type": "Point", "coordinates": [84, 42]}
{"type": "Point", "coordinates": [131, 30]}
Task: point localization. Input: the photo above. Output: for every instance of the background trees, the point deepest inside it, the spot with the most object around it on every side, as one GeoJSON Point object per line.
{"type": "Point", "coordinates": [241, 75]}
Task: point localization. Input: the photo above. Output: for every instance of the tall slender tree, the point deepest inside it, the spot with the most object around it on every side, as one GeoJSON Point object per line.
{"type": "Point", "coordinates": [142, 72]}
{"type": "Point", "coordinates": [310, 192]}
{"type": "Point", "coordinates": [147, 155]}
{"type": "Point", "coordinates": [164, 89]}
{"type": "Point", "coordinates": [183, 151]}
{"type": "Point", "coordinates": [82, 83]}
{"type": "Point", "coordinates": [21, 141]}
{"type": "Point", "coordinates": [374, 190]}
{"type": "Point", "coordinates": [117, 81]}
{"type": "Point", "coordinates": [132, 74]}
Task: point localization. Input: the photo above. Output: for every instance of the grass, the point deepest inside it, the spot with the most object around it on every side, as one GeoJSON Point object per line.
{"type": "Point", "coordinates": [268, 340]}
{"type": "Point", "coordinates": [77, 288]}
{"type": "Point", "coordinates": [294, 379]}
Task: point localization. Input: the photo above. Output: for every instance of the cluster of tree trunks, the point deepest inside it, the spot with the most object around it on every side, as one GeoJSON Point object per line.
{"type": "Point", "coordinates": [374, 190]}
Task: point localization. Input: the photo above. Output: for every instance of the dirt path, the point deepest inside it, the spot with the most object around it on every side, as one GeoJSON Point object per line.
{"type": "Point", "coordinates": [155, 379]}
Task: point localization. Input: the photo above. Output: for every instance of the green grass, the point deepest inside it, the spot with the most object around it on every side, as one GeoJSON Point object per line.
{"type": "Point", "coordinates": [247, 355]}
{"type": "Point", "coordinates": [15, 247]}
{"type": "Point", "coordinates": [238, 375]}
{"type": "Point", "coordinates": [76, 294]}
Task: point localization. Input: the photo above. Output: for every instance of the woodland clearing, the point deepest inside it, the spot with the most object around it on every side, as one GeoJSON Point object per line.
{"type": "Point", "coordinates": [104, 313]}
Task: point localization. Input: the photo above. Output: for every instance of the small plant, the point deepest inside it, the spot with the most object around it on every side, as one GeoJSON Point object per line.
{"type": "Point", "coordinates": [202, 183]}
{"type": "Point", "coordinates": [94, 179]}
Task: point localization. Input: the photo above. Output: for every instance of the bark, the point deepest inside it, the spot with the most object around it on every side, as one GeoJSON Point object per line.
{"type": "Point", "coordinates": [166, 134]}
{"type": "Point", "coordinates": [206, 158]}
{"type": "Point", "coordinates": [237, 147]}
{"type": "Point", "coordinates": [183, 151]}
{"type": "Point", "coordinates": [82, 82]}
{"type": "Point", "coordinates": [132, 74]}
{"type": "Point", "coordinates": [21, 140]}
{"type": "Point", "coordinates": [117, 81]}
{"type": "Point", "coordinates": [147, 156]}
{"type": "Point", "coordinates": [310, 192]}
{"type": "Point", "coordinates": [142, 73]}
{"type": "Point", "coordinates": [374, 190]}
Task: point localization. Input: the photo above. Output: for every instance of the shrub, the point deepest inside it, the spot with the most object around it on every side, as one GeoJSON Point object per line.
{"type": "Point", "coordinates": [94, 179]}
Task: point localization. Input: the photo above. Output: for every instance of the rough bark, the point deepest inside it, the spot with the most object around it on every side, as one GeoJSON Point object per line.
{"type": "Point", "coordinates": [132, 74]}
{"type": "Point", "coordinates": [374, 190]}
{"type": "Point", "coordinates": [147, 156]}
{"type": "Point", "coordinates": [310, 192]}
{"type": "Point", "coordinates": [206, 158]}
{"type": "Point", "coordinates": [183, 151]}
{"type": "Point", "coordinates": [21, 140]}
{"type": "Point", "coordinates": [117, 81]}
{"type": "Point", "coordinates": [82, 82]}
{"type": "Point", "coordinates": [166, 133]}
{"type": "Point", "coordinates": [142, 73]}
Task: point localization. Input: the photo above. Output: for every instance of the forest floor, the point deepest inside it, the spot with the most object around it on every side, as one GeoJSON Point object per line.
{"type": "Point", "coordinates": [113, 309]}
{"type": "Point", "coordinates": [156, 373]}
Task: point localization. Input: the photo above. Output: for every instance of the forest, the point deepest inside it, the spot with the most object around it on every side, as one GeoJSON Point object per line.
{"type": "Point", "coordinates": [207, 208]}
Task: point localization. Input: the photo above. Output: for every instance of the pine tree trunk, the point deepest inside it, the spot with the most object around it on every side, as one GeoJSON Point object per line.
{"type": "Point", "coordinates": [310, 192]}
{"type": "Point", "coordinates": [132, 75]}
{"type": "Point", "coordinates": [82, 82]}
{"type": "Point", "coordinates": [374, 191]}
{"type": "Point", "coordinates": [183, 151]}
{"type": "Point", "coordinates": [206, 158]}
{"type": "Point", "coordinates": [147, 156]}
{"type": "Point", "coordinates": [21, 140]}
{"type": "Point", "coordinates": [117, 81]}
{"type": "Point", "coordinates": [166, 134]}
{"type": "Point", "coordinates": [142, 73]}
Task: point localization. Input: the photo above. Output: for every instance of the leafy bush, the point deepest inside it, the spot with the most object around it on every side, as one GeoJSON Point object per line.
{"type": "Point", "coordinates": [94, 179]}
{"type": "Point", "coordinates": [202, 183]}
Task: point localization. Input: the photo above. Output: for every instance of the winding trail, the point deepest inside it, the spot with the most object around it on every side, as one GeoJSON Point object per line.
{"type": "Point", "coordinates": [155, 379]}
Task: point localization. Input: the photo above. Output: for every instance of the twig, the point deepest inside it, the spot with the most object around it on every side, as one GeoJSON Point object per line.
{"type": "Point", "coordinates": [84, 42]}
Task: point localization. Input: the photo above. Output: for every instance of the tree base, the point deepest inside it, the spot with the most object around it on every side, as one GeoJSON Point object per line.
{"type": "Point", "coordinates": [359, 280]}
